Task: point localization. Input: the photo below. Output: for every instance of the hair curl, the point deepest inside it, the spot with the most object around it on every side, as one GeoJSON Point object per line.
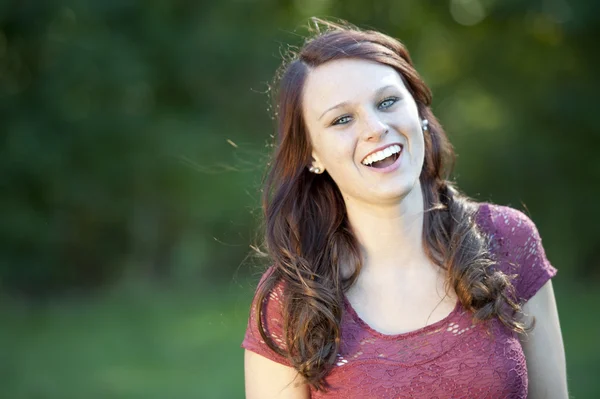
{"type": "Point", "coordinates": [308, 235]}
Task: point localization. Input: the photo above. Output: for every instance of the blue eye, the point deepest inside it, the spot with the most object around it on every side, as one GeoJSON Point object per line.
{"type": "Point", "coordinates": [342, 120]}
{"type": "Point", "coordinates": [388, 102]}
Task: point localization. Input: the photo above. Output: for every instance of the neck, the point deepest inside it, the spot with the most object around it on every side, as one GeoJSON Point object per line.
{"type": "Point", "coordinates": [390, 236]}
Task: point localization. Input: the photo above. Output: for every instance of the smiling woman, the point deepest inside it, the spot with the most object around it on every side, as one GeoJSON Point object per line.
{"type": "Point", "coordinates": [354, 140]}
{"type": "Point", "coordinates": [386, 281]}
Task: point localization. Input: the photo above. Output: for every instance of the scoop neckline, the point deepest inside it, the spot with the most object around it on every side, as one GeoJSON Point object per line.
{"type": "Point", "coordinates": [407, 334]}
{"type": "Point", "coordinates": [480, 213]}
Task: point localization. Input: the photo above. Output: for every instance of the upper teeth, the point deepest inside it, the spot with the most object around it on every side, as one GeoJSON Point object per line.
{"type": "Point", "coordinates": [379, 155]}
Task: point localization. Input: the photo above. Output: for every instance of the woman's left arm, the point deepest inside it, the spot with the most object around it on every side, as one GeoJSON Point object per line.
{"type": "Point", "coordinates": [543, 347]}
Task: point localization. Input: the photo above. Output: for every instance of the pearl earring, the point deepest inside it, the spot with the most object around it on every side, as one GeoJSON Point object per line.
{"type": "Point", "coordinates": [425, 123]}
{"type": "Point", "coordinates": [314, 170]}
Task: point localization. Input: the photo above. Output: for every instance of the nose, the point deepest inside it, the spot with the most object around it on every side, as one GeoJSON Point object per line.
{"type": "Point", "coordinates": [374, 128]}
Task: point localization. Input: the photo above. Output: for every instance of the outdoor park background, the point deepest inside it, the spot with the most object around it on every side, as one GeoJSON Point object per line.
{"type": "Point", "coordinates": [127, 214]}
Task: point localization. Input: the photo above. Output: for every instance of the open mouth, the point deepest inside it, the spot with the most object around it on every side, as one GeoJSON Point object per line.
{"type": "Point", "coordinates": [383, 158]}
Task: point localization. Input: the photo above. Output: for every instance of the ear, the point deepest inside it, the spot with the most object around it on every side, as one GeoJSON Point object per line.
{"type": "Point", "coordinates": [316, 164]}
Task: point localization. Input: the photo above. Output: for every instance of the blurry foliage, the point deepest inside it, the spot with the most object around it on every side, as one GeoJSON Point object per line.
{"type": "Point", "coordinates": [132, 143]}
{"type": "Point", "coordinates": [118, 119]}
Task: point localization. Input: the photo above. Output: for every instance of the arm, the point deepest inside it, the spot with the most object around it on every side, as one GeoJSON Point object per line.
{"type": "Point", "coordinates": [267, 379]}
{"type": "Point", "coordinates": [544, 349]}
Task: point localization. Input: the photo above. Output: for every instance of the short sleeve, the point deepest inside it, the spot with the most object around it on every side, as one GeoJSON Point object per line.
{"type": "Point", "coordinates": [517, 247]}
{"type": "Point", "coordinates": [272, 323]}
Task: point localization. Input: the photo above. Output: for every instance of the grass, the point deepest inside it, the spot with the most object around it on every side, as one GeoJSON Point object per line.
{"type": "Point", "coordinates": [144, 343]}
{"type": "Point", "coordinates": [148, 345]}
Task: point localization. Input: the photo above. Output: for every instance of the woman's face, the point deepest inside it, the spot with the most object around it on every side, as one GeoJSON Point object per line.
{"type": "Point", "coordinates": [353, 110]}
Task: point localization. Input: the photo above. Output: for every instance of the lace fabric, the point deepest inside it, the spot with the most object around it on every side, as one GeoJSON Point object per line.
{"type": "Point", "coordinates": [451, 358]}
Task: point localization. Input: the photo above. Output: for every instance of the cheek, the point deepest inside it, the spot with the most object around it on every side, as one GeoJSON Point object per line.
{"type": "Point", "coordinates": [337, 149]}
{"type": "Point", "coordinates": [419, 153]}
{"type": "Point", "coordinates": [419, 141]}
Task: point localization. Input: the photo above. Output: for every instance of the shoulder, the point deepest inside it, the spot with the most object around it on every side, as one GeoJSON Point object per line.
{"type": "Point", "coordinates": [503, 222]}
{"type": "Point", "coordinates": [270, 303]}
{"type": "Point", "coordinates": [267, 311]}
{"type": "Point", "coordinates": [515, 244]}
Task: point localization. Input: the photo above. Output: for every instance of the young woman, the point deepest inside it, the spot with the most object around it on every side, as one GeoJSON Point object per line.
{"type": "Point", "coordinates": [386, 282]}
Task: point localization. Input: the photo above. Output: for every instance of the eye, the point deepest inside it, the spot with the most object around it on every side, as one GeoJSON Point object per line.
{"type": "Point", "coordinates": [342, 120]}
{"type": "Point", "coordinates": [388, 102]}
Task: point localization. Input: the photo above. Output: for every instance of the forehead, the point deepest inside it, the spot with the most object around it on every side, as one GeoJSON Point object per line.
{"type": "Point", "coordinates": [346, 80]}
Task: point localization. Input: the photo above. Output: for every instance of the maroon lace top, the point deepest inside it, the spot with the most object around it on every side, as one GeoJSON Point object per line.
{"type": "Point", "coordinates": [452, 358]}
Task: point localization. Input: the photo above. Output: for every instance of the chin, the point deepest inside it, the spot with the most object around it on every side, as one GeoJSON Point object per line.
{"type": "Point", "coordinates": [396, 193]}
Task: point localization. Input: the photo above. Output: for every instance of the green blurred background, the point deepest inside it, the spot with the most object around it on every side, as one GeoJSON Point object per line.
{"type": "Point", "coordinates": [134, 138]}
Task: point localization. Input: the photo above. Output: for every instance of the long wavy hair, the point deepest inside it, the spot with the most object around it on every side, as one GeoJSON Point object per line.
{"type": "Point", "coordinates": [307, 233]}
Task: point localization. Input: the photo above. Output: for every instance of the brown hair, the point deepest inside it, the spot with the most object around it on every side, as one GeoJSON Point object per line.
{"type": "Point", "coordinates": [308, 235]}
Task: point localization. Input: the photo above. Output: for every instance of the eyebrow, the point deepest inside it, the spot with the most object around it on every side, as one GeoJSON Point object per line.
{"type": "Point", "coordinates": [344, 103]}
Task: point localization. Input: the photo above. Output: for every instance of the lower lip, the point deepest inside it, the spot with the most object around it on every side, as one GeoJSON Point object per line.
{"type": "Point", "coordinates": [390, 168]}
